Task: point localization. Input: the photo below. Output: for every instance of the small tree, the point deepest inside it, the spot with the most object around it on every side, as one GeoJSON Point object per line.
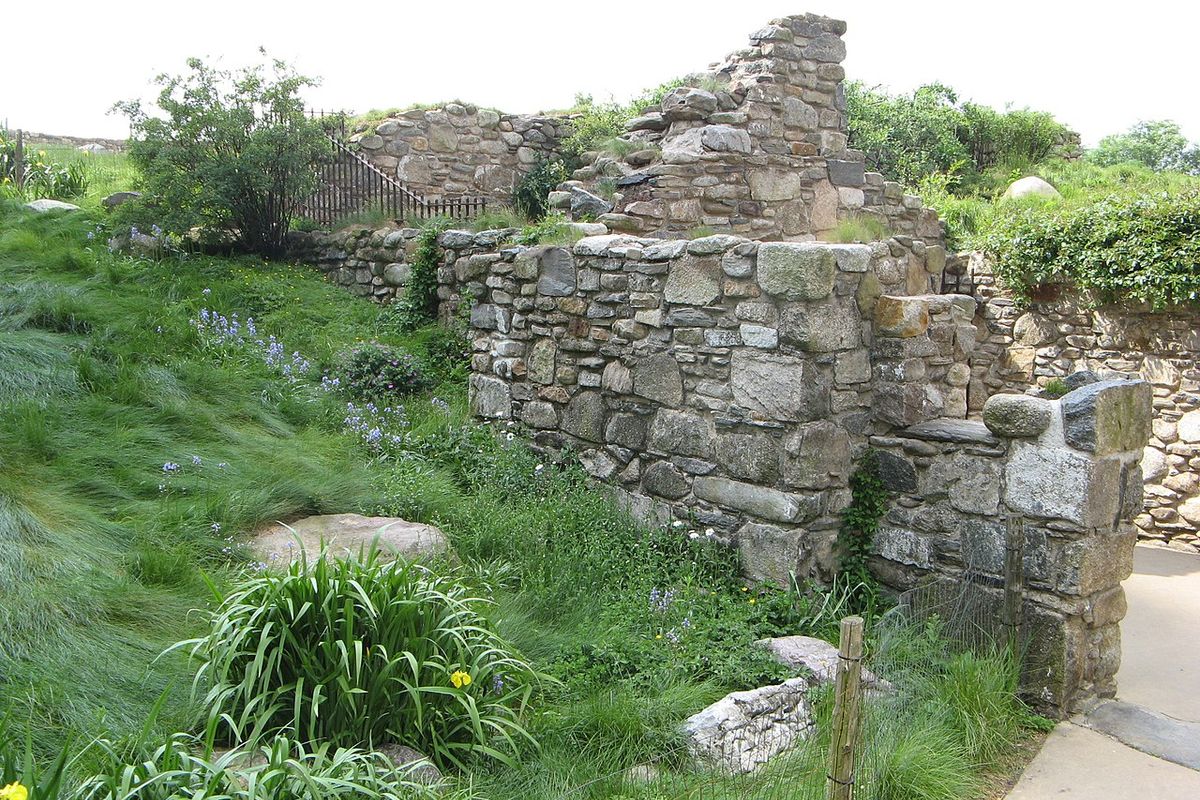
{"type": "Point", "coordinates": [230, 150]}
{"type": "Point", "coordinates": [1159, 144]}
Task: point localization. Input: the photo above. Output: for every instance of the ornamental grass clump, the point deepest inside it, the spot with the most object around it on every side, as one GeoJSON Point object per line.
{"type": "Point", "coordinates": [359, 653]}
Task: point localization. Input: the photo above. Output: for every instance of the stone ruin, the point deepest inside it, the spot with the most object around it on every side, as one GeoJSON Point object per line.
{"type": "Point", "coordinates": [733, 382]}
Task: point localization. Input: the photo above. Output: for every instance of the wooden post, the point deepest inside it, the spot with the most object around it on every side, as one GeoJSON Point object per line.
{"type": "Point", "coordinates": [19, 162]}
{"type": "Point", "coordinates": [847, 712]}
{"type": "Point", "coordinates": [1014, 556]}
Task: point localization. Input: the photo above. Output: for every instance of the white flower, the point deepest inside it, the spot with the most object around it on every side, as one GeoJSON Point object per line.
{"type": "Point", "coordinates": [539, 468]}
{"type": "Point", "coordinates": [693, 535]}
{"type": "Point", "coordinates": [709, 532]}
{"type": "Point", "coordinates": [677, 523]}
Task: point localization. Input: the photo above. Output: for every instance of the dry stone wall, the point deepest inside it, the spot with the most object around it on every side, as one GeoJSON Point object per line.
{"type": "Point", "coordinates": [763, 154]}
{"type": "Point", "coordinates": [719, 379]}
{"type": "Point", "coordinates": [460, 149]}
{"type": "Point", "coordinates": [1057, 337]}
{"type": "Point", "coordinates": [1070, 469]}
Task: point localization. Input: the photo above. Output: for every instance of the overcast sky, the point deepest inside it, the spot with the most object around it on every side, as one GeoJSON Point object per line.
{"type": "Point", "coordinates": [1096, 70]}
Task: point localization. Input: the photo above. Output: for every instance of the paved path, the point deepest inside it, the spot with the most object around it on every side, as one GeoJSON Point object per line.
{"type": "Point", "coordinates": [1145, 745]}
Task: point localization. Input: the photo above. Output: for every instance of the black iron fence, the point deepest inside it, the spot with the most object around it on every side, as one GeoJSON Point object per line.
{"type": "Point", "coordinates": [348, 184]}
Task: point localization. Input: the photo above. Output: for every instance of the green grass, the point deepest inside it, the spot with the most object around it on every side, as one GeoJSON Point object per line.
{"type": "Point", "coordinates": [103, 380]}
{"type": "Point", "coordinates": [106, 172]}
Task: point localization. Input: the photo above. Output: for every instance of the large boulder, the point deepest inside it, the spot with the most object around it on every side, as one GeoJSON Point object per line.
{"type": "Point", "coordinates": [744, 730]}
{"type": "Point", "coordinates": [42, 206]}
{"type": "Point", "coordinates": [817, 657]}
{"type": "Point", "coordinates": [1033, 186]}
{"type": "Point", "coordinates": [346, 536]}
{"type": "Point", "coordinates": [117, 198]}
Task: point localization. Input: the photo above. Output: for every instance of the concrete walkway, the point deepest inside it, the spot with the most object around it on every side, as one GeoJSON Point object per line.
{"type": "Point", "coordinates": [1145, 745]}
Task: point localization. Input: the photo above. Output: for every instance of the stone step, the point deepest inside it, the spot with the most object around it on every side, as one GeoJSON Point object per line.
{"type": "Point", "coordinates": [1148, 731]}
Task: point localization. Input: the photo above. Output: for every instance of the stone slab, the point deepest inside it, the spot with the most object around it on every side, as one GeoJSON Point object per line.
{"type": "Point", "coordinates": [347, 536]}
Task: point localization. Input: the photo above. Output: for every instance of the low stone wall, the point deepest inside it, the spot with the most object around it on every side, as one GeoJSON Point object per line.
{"type": "Point", "coordinates": [1070, 470]}
{"type": "Point", "coordinates": [371, 263]}
{"type": "Point", "coordinates": [719, 379]}
{"type": "Point", "coordinates": [460, 150]}
{"type": "Point", "coordinates": [1030, 346]}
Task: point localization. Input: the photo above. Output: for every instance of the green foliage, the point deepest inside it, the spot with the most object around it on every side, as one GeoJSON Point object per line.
{"type": "Point", "coordinates": [907, 137]}
{"type": "Point", "coordinates": [1157, 144]}
{"type": "Point", "coordinates": [531, 196]}
{"type": "Point", "coordinates": [860, 521]}
{"type": "Point", "coordinates": [861, 229]}
{"type": "Point", "coordinates": [363, 652]}
{"type": "Point", "coordinates": [418, 305]}
{"type": "Point", "coordinates": [498, 220]}
{"type": "Point", "coordinates": [1122, 248]}
{"type": "Point", "coordinates": [230, 151]}
{"type": "Point", "coordinates": [36, 175]}
{"type": "Point", "coordinates": [379, 373]}
{"type": "Point", "coordinates": [1056, 387]}
{"type": "Point", "coordinates": [553, 229]}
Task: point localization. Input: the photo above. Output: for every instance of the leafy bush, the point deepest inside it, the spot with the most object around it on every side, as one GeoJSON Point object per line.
{"type": "Point", "coordinates": [1122, 248]}
{"type": "Point", "coordinates": [906, 137]}
{"type": "Point", "coordinates": [374, 371]}
{"type": "Point", "coordinates": [368, 652]}
{"type": "Point", "coordinates": [230, 151]}
{"type": "Point", "coordinates": [531, 196]}
{"type": "Point", "coordinates": [418, 305]}
{"type": "Point", "coordinates": [1158, 144]}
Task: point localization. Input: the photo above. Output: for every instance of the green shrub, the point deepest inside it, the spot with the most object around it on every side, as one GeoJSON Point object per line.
{"type": "Point", "coordinates": [230, 151]}
{"type": "Point", "coordinates": [531, 195]}
{"type": "Point", "coordinates": [1122, 248]}
{"type": "Point", "coordinates": [368, 652]}
{"type": "Point", "coordinates": [861, 229]}
{"type": "Point", "coordinates": [378, 372]}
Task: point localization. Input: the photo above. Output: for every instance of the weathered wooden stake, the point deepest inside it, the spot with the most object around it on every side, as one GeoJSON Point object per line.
{"type": "Point", "coordinates": [19, 159]}
{"type": "Point", "coordinates": [1014, 553]}
{"type": "Point", "coordinates": [847, 712]}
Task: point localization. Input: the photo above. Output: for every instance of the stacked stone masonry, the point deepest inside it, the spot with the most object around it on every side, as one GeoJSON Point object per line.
{"type": "Point", "coordinates": [1070, 470]}
{"type": "Point", "coordinates": [719, 379]}
{"type": "Point", "coordinates": [1023, 347]}
{"type": "Point", "coordinates": [460, 149]}
{"type": "Point", "coordinates": [763, 155]}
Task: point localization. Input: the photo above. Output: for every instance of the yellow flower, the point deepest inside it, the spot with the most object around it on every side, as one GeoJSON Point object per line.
{"type": "Point", "coordinates": [14, 791]}
{"type": "Point", "coordinates": [658, 636]}
{"type": "Point", "coordinates": [745, 588]}
{"type": "Point", "coordinates": [752, 601]}
{"type": "Point", "coordinates": [460, 679]}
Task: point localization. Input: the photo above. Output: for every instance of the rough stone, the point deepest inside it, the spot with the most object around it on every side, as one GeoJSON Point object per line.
{"type": "Point", "coordinates": [817, 657]}
{"type": "Point", "coordinates": [762, 502]}
{"type": "Point", "coordinates": [664, 479]}
{"type": "Point", "coordinates": [750, 457]}
{"type": "Point", "coordinates": [1057, 483]}
{"type": "Point", "coordinates": [816, 456]}
{"type": "Point", "coordinates": [1016, 415]}
{"type": "Point", "coordinates": [556, 272]}
{"type": "Point", "coordinates": [1108, 417]}
{"type": "Point", "coordinates": [346, 536]}
{"type": "Point", "coordinates": [901, 317]}
{"type": "Point", "coordinates": [490, 397]}
{"type": "Point", "coordinates": [778, 387]}
{"type": "Point", "coordinates": [821, 327]}
{"type": "Point", "coordinates": [693, 281]}
{"type": "Point", "coordinates": [42, 206]}
{"type": "Point", "coordinates": [586, 204]}
{"type": "Point", "coordinates": [657, 378]}
{"type": "Point", "coordinates": [1031, 186]}
{"type": "Point", "coordinates": [796, 271]}
{"type": "Point", "coordinates": [682, 433]}
{"type": "Point", "coordinates": [744, 730]}
{"type": "Point", "coordinates": [584, 417]}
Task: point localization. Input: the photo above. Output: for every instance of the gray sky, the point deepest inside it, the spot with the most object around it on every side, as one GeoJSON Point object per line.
{"type": "Point", "coordinates": [1096, 70]}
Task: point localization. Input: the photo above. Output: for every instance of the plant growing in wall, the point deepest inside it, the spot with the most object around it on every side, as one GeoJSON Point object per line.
{"type": "Point", "coordinates": [418, 306]}
{"type": "Point", "coordinates": [860, 521]}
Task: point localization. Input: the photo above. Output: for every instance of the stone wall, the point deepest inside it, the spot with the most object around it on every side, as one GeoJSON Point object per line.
{"type": "Point", "coordinates": [719, 379]}
{"type": "Point", "coordinates": [1054, 338]}
{"type": "Point", "coordinates": [763, 154]}
{"type": "Point", "coordinates": [460, 150]}
{"type": "Point", "coordinates": [366, 262]}
{"type": "Point", "coordinates": [1070, 469]}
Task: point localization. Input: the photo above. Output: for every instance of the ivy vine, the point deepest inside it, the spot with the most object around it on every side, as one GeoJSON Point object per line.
{"type": "Point", "coordinates": [860, 521]}
{"type": "Point", "coordinates": [419, 304]}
